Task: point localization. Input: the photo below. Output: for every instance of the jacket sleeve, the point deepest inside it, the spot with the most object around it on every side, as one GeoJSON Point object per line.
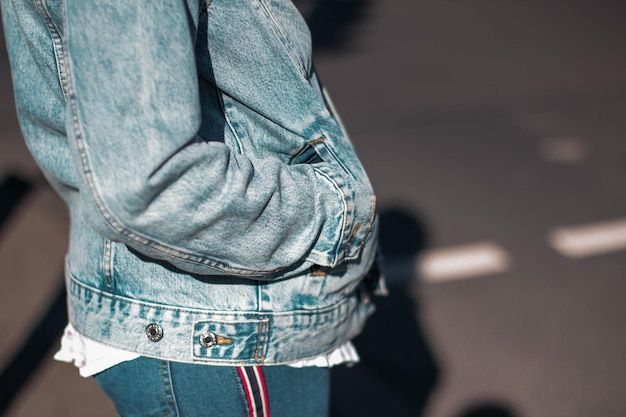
{"type": "Point", "coordinates": [146, 177]}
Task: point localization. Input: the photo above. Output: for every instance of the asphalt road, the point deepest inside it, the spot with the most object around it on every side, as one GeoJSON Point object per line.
{"type": "Point", "coordinates": [495, 127]}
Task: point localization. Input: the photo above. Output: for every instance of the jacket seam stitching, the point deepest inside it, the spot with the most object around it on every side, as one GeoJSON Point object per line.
{"type": "Point", "coordinates": [57, 45]}
{"type": "Point", "coordinates": [101, 293]}
{"type": "Point", "coordinates": [284, 41]}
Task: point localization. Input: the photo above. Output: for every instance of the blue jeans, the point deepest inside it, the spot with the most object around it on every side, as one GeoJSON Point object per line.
{"type": "Point", "coordinates": [152, 387]}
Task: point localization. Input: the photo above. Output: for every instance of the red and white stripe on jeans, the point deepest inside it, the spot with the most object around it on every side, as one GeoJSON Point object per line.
{"type": "Point", "coordinates": [255, 390]}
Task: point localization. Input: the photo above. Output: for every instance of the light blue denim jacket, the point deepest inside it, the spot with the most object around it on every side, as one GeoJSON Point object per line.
{"type": "Point", "coordinates": [218, 211]}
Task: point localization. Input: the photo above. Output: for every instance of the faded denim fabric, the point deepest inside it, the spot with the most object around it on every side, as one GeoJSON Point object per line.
{"type": "Point", "coordinates": [219, 212]}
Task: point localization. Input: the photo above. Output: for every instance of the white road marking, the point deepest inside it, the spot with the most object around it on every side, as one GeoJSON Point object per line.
{"type": "Point", "coordinates": [461, 262]}
{"type": "Point", "coordinates": [564, 150]}
{"type": "Point", "coordinates": [590, 239]}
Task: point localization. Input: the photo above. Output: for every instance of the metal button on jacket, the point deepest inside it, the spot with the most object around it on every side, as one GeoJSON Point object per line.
{"type": "Point", "coordinates": [154, 332]}
{"type": "Point", "coordinates": [208, 339]}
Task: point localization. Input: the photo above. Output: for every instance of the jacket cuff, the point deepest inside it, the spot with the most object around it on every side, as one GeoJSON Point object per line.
{"type": "Point", "coordinates": [350, 209]}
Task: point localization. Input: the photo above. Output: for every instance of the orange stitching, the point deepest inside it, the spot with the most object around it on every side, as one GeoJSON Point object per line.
{"type": "Point", "coordinates": [266, 326]}
{"type": "Point", "coordinates": [316, 141]}
{"type": "Point", "coordinates": [256, 350]}
{"type": "Point", "coordinates": [356, 229]}
{"type": "Point", "coordinates": [352, 235]}
{"type": "Point", "coordinates": [262, 332]}
{"type": "Point", "coordinates": [224, 340]}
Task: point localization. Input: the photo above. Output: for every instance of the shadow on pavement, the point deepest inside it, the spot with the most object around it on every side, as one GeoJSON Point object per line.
{"type": "Point", "coordinates": [488, 409]}
{"type": "Point", "coordinates": [398, 370]}
{"type": "Point", "coordinates": [15, 375]}
{"type": "Point", "coordinates": [33, 351]}
{"type": "Point", "coordinates": [333, 23]}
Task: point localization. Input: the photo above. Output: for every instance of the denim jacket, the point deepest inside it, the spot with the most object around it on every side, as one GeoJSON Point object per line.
{"type": "Point", "coordinates": [219, 213]}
